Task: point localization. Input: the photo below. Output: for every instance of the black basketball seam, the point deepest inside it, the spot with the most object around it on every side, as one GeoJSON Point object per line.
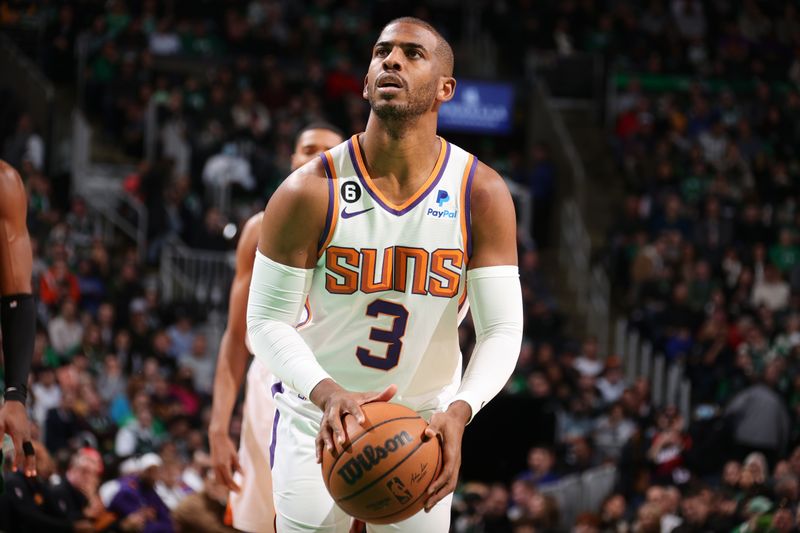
{"type": "Point", "coordinates": [358, 437]}
{"type": "Point", "coordinates": [438, 460]}
{"type": "Point", "coordinates": [403, 460]}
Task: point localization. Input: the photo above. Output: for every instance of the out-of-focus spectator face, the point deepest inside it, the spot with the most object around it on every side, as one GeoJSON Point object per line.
{"type": "Point", "coordinates": [525, 355]}
{"type": "Point", "coordinates": [649, 518]}
{"type": "Point", "coordinates": [782, 521]}
{"type": "Point", "coordinates": [586, 384]}
{"type": "Point", "coordinates": [787, 487]}
{"type": "Point", "coordinates": [495, 503]}
{"type": "Point", "coordinates": [311, 143]}
{"type": "Point", "coordinates": [590, 348]}
{"type": "Point", "coordinates": [83, 473]}
{"type": "Point", "coordinates": [540, 460]}
{"type": "Point", "coordinates": [122, 340]}
{"type": "Point", "coordinates": [695, 510]}
{"type": "Point", "coordinates": [538, 385]}
{"type": "Point", "coordinates": [747, 480]}
{"type": "Point", "coordinates": [149, 476]}
{"type": "Point", "coordinates": [671, 500]}
{"type": "Point", "coordinates": [655, 494]}
{"type": "Point", "coordinates": [171, 473]}
{"type": "Point", "coordinates": [47, 377]}
{"type": "Point", "coordinates": [616, 413]}
{"type": "Point", "coordinates": [214, 220]}
{"type": "Point", "coordinates": [545, 354]}
{"type": "Point", "coordinates": [614, 508]}
{"type": "Point", "coordinates": [540, 507]}
{"type": "Point", "coordinates": [794, 461]}
{"type": "Point", "coordinates": [145, 417]}
{"type": "Point", "coordinates": [161, 342]}
{"type": "Point", "coordinates": [151, 370]}
{"type": "Point", "coordinates": [161, 386]}
{"type": "Point", "coordinates": [731, 473]}
{"type": "Point", "coordinates": [582, 450]}
{"type": "Point", "coordinates": [521, 491]}
{"type": "Point", "coordinates": [530, 260]}
{"type": "Point", "coordinates": [786, 237]}
{"type": "Point", "coordinates": [111, 365]}
{"type": "Point", "coordinates": [782, 468]}
{"type": "Point", "coordinates": [195, 440]}
{"type": "Point", "coordinates": [199, 347]}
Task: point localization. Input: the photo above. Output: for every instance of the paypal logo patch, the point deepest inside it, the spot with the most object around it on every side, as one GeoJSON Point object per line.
{"type": "Point", "coordinates": [442, 197]}
{"type": "Point", "coordinates": [441, 213]}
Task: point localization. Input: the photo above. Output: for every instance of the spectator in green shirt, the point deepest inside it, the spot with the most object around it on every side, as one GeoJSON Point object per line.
{"type": "Point", "coordinates": [785, 254]}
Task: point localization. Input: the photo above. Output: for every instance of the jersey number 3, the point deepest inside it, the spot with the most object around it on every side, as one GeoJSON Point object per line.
{"type": "Point", "coordinates": [393, 337]}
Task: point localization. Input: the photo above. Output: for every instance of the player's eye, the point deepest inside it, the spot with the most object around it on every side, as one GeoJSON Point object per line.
{"type": "Point", "coordinates": [381, 52]}
{"type": "Point", "coordinates": [413, 54]}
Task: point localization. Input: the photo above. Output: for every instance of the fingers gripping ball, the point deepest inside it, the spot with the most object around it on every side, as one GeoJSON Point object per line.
{"type": "Point", "coordinates": [384, 468]}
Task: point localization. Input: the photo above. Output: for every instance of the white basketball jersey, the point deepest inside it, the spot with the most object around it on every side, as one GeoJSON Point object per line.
{"type": "Point", "coordinates": [391, 279]}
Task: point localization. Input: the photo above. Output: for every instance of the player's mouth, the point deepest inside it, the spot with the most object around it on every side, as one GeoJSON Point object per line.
{"type": "Point", "coordinates": [389, 83]}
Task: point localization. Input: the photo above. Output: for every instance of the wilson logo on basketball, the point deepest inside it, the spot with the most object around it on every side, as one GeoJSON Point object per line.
{"type": "Point", "coordinates": [353, 470]}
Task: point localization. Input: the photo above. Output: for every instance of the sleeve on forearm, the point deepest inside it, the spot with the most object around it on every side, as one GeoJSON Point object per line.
{"type": "Point", "coordinates": [495, 298]}
{"type": "Point", "coordinates": [277, 296]}
{"type": "Point", "coordinates": [18, 324]}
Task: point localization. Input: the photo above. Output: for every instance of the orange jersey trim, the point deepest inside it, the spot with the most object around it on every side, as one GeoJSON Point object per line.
{"type": "Point", "coordinates": [423, 188]}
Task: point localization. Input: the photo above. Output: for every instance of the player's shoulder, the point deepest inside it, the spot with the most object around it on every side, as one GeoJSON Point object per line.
{"type": "Point", "coordinates": [12, 191]}
{"type": "Point", "coordinates": [9, 177]}
{"type": "Point", "coordinates": [488, 188]}
{"type": "Point", "coordinates": [306, 184]}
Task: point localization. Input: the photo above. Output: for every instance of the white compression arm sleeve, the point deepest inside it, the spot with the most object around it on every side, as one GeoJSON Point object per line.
{"type": "Point", "coordinates": [277, 296]}
{"type": "Point", "coordinates": [495, 298]}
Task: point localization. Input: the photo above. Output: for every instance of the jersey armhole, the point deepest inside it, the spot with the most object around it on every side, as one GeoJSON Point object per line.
{"type": "Point", "coordinates": [333, 203]}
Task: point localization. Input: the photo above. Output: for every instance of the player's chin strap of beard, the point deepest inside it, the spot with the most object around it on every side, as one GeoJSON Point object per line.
{"type": "Point", "coordinates": [18, 325]}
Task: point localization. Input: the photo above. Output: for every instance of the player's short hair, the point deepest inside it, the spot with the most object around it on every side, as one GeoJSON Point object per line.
{"type": "Point", "coordinates": [318, 125]}
{"type": "Point", "coordinates": [443, 49]}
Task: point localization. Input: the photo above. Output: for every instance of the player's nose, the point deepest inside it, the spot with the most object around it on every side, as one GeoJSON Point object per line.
{"type": "Point", "coordinates": [392, 60]}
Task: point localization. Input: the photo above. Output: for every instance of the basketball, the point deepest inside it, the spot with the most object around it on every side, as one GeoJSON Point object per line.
{"type": "Point", "coordinates": [384, 468]}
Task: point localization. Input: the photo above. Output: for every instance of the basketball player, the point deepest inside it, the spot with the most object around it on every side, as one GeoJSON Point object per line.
{"type": "Point", "coordinates": [17, 314]}
{"type": "Point", "coordinates": [251, 499]}
{"type": "Point", "coordinates": [385, 236]}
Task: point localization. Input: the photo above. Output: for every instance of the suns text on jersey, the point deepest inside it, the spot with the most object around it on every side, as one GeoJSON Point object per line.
{"type": "Point", "coordinates": [437, 273]}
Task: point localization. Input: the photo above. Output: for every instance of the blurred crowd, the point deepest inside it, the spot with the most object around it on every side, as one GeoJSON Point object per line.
{"type": "Point", "coordinates": [705, 255]}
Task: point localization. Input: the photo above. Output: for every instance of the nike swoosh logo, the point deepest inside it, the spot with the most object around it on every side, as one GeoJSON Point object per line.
{"type": "Point", "coordinates": [345, 214]}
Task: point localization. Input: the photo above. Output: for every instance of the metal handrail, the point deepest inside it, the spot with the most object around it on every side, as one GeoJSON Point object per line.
{"type": "Point", "coordinates": [101, 188]}
{"type": "Point", "coordinates": [202, 276]}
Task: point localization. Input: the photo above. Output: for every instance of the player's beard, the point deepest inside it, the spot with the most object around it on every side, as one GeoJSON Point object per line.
{"type": "Point", "coordinates": [399, 114]}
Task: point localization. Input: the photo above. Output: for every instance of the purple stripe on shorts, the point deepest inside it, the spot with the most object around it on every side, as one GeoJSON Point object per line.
{"type": "Point", "coordinates": [377, 199]}
{"type": "Point", "coordinates": [467, 213]}
{"type": "Point", "coordinates": [277, 387]}
{"type": "Point", "coordinates": [331, 192]}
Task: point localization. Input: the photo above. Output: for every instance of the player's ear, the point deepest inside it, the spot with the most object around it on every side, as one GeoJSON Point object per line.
{"type": "Point", "coordinates": [447, 89]}
{"type": "Point", "coordinates": [364, 93]}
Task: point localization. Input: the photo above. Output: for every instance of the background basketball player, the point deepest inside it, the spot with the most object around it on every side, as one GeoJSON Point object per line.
{"type": "Point", "coordinates": [17, 312]}
{"type": "Point", "coordinates": [251, 499]}
{"type": "Point", "coordinates": [398, 333]}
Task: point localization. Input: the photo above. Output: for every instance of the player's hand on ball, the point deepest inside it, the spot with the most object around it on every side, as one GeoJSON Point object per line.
{"type": "Point", "coordinates": [448, 427]}
{"type": "Point", "coordinates": [224, 458]}
{"type": "Point", "coordinates": [337, 402]}
{"type": "Point", "coordinates": [14, 421]}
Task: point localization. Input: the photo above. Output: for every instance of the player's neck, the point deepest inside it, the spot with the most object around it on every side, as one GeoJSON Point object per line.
{"type": "Point", "coordinates": [406, 157]}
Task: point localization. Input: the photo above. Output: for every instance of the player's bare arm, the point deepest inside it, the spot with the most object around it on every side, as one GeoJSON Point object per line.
{"type": "Point", "coordinates": [494, 244]}
{"type": "Point", "coordinates": [232, 359]}
{"type": "Point", "coordinates": [17, 316]}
